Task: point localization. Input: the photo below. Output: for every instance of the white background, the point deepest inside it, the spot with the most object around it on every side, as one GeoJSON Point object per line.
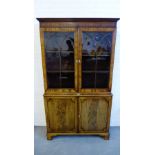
{"type": "Point", "coordinates": [88, 8]}
{"type": "Point", "coordinates": [137, 76]}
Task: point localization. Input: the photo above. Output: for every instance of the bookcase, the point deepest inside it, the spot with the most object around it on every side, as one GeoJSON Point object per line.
{"type": "Point", "coordinates": [77, 62]}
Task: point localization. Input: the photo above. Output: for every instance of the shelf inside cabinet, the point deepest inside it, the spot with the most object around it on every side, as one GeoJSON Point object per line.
{"type": "Point", "coordinates": [54, 51]}
{"type": "Point", "coordinates": [95, 71]}
{"type": "Point", "coordinates": [62, 71]}
{"type": "Point", "coordinates": [100, 55]}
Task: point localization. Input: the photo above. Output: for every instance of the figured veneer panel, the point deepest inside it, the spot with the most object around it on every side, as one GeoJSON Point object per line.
{"type": "Point", "coordinates": [62, 114]}
{"type": "Point", "coordinates": [93, 114]}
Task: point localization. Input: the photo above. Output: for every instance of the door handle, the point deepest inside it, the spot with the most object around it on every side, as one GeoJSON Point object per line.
{"type": "Point", "coordinates": [78, 61]}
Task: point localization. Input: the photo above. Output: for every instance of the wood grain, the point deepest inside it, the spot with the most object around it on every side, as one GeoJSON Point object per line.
{"type": "Point", "coordinates": [94, 113]}
{"type": "Point", "coordinates": [112, 59]}
{"type": "Point", "coordinates": [43, 57]}
{"type": "Point", "coordinates": [62, 114]}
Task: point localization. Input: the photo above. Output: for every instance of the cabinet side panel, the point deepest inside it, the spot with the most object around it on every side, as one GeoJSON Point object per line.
{"type": "Point", "coordinates": [43, 57]}
{"type": "Point", "coordinates": [112, 59]}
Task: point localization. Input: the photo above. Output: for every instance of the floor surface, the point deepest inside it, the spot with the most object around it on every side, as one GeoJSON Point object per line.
{"type": "Point", "coordinates": [76, 145]}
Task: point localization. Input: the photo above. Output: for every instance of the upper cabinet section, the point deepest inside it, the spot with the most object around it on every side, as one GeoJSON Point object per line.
{"type": "Point", "coordinates": [77, 54]}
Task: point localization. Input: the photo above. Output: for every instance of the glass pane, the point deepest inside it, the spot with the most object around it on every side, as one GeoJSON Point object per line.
{"type": "Point", "coordinates": [67, 80]}
{"type": "Point", "coordinates": [53, 80]}
{"type": "Point", "coordinates": [102, 80]}
{"type": "Point", "coordinates": [67, 59]}
{"type": "Point", "coordinates": [96, 43]}
{"type": "Point", "coordinates": [96, 54]}
{"type": "Point", "coordinates": [59, 54]}
{"type": "Point", "coordinates": [103, 63]}
{"type": "Point", "coordinates": [52, 61]}
{"type": "Point", "coordinates": [88, 63]}
{"type": "Point", "coordinates": [88, 80]}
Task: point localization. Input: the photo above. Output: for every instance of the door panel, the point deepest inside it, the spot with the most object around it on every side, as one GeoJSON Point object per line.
{"type": "Point", "coordinates": [97, 48]}
{"type": "Point", "coordinates": [62, 114]}
{"type": "Point", "coordinates": [59, 52]}
{"type": "Point", "coordinates": [94, 114]}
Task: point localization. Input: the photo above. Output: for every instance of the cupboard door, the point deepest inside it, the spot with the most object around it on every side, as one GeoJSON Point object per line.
{"type": "Point", "coordinates": [94, 114]}
{"type": "Point", "coordinates": [97, 48]}
{"type": "Point", "coordinates": [61, 114]}
{"type": "Point", "coordinates": [59, 47]}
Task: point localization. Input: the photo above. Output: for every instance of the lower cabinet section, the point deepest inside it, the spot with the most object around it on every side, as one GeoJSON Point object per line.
{"type": "Point", "coordinates": [78, 115]}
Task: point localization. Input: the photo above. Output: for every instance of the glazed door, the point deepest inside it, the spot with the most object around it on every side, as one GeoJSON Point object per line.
{"type": "Point", "coordinates": [94, 114]}
{"type": "Point", "coordinates": [96, 56]}
{"type": "Point", "coordinates": [61, 114]}
{"type": "Point", "coordinates": [59, 52]}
